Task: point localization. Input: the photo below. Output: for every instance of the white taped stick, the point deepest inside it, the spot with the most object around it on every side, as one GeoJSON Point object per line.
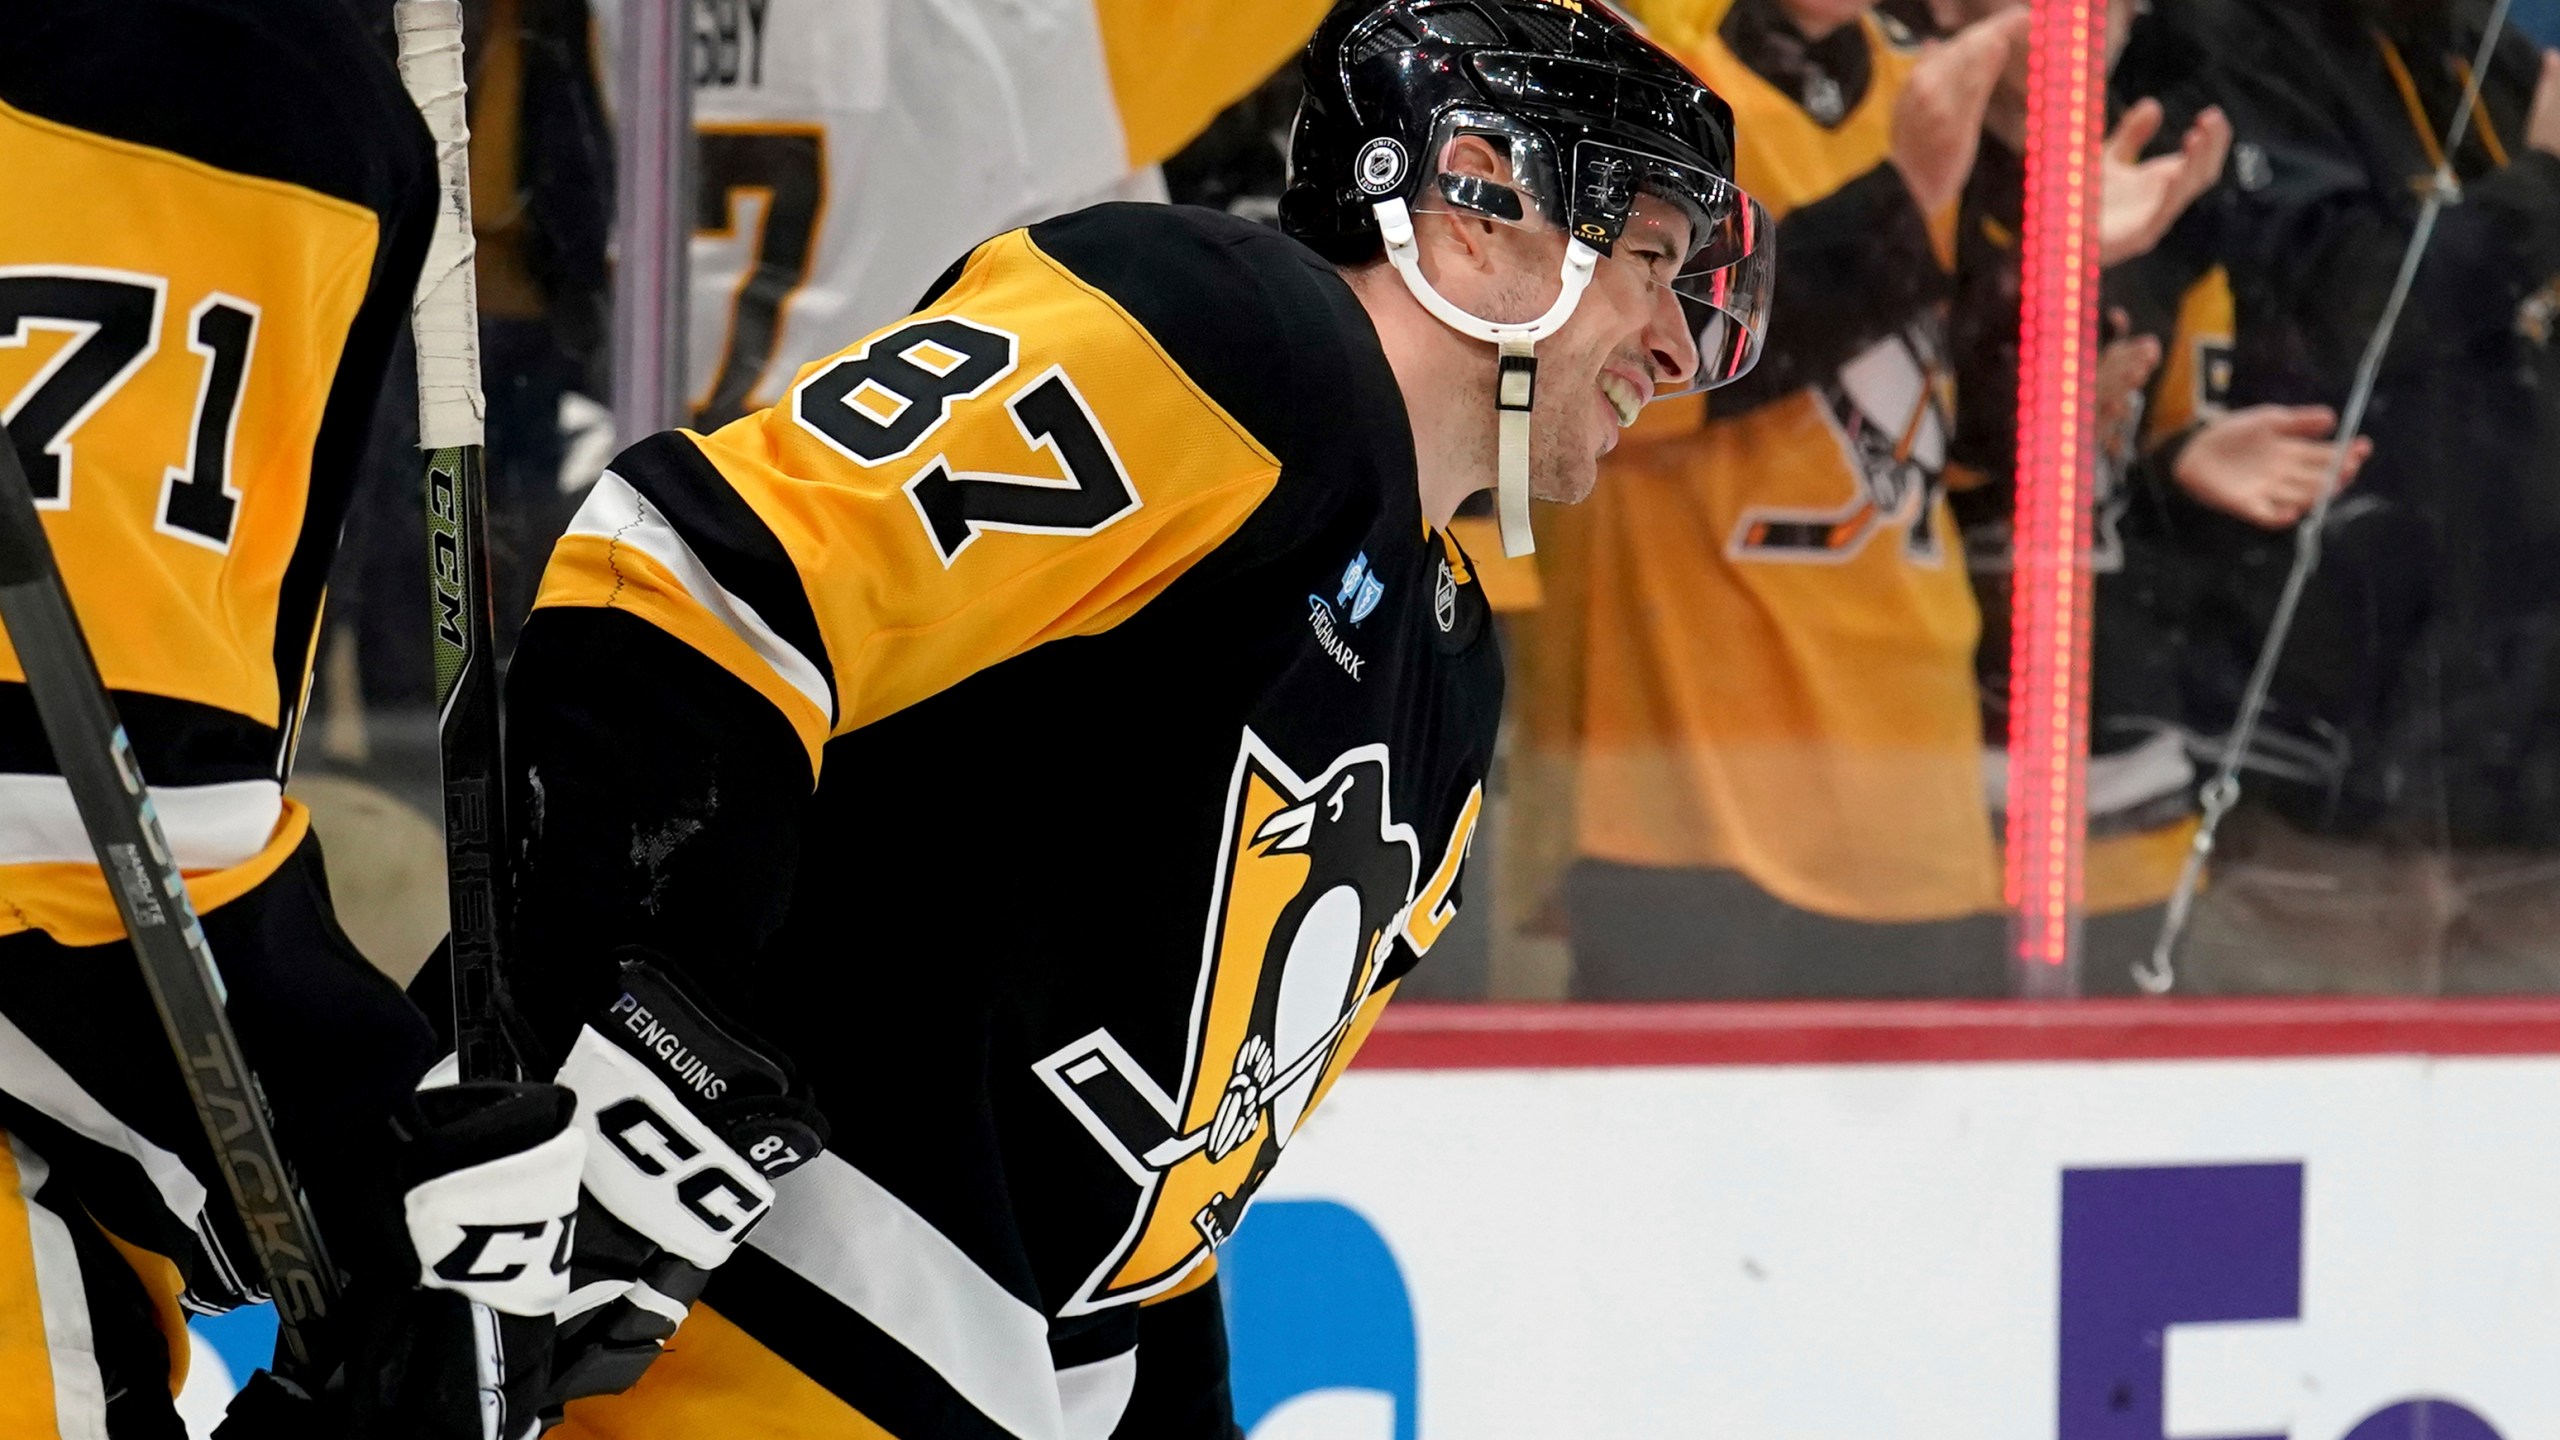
{"type": "Point", "coordinates": [446, 316]}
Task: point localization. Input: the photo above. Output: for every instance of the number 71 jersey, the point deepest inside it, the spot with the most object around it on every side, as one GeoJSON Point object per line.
{"type": "Point", "coordinates": [196, 304]}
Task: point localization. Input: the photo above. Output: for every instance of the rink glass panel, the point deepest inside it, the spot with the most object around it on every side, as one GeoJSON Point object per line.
{"type": "Point", "coordinates": [1760, 682]}
{"type": "Point", "coordinates": [541, 165]}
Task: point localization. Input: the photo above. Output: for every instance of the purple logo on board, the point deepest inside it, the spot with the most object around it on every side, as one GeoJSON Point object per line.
{"type": "Point", "coordinates": [2147, 1248]}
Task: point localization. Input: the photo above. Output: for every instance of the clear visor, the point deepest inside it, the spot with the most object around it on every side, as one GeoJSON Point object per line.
{"type": "Point", "coordinates": [1695, 234]}
{"type": "Point", "coordinates": [1725, 285]}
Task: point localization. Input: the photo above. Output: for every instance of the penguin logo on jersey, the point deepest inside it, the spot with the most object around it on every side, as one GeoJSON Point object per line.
{"type": "Point", "coordinates": [1888, 410]}
{"type": "Point", "coordinates": [1315, 881]}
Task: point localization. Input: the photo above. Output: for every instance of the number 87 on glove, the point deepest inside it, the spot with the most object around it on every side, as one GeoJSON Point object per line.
{"type": "Point", "coordinates": [689, 1121]}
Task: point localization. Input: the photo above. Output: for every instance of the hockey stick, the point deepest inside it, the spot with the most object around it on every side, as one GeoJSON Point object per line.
{"type": "Point", "coordinates": [2158, 974]}
{"type": "Point", "coordinates": [446, 324]}
{"type": "Point", "coordinates": [160, 922]}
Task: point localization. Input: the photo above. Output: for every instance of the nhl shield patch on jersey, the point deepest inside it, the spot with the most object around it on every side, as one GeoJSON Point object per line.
{"type": "Point", "coordinates": [1316, 879]}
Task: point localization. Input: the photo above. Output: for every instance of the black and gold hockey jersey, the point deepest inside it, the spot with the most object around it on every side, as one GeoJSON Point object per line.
{"type": "Point", "coordinates": [197, 297]}
{"type": "Point", "coordinates": [211, 220]}
{"type": "Point", "coordinates": [1054, 725]}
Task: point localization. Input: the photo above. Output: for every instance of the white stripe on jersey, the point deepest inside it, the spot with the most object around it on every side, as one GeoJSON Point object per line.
{"type": "Point", "coordinates": [615, 511]}
{"type": "Point", "coordinates": [841, 1231]}
{"type": "Point", "coordinates": [35, 1080]}
{"type": "Point", "coordinates": [79, 1391]}
{"type": "Point", "coordinates": [1095, 1396]}
{"type": "Point", "coordinates": [210, 827]}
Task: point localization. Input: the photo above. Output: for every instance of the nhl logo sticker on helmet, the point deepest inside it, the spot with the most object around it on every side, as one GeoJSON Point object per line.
{"type": "Point", "coordinates": [1381, 165]}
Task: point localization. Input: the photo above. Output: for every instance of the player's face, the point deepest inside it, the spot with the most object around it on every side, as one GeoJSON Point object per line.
{"type": "Point", "coordinates": [1627, 342]}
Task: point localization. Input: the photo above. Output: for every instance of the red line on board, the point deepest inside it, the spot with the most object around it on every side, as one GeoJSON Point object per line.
{"type": "Point", "coordinates": [1425, 1036]}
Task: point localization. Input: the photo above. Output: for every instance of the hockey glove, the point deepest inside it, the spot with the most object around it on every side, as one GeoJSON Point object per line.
{"type": "Point", "coordinates": [491, 1177]}
{"type": "Point", "coordinates": [689, 1121]}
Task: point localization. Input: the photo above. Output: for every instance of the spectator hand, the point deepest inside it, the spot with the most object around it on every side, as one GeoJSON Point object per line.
{"type": "Point", "coordinates": [2265, 464]}
{"type": "Point", "coordinates": [2143, 198]}
{"type": "Point", "coordinates": [1937, 123]}
{"type": "Point", "coordinates": [2124, 368]}
{"type": "Point", "coordinates": [2542, 126]}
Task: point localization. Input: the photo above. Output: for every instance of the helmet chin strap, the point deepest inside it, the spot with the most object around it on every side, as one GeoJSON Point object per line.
{"type": "Point", "coordinates": [1515, 391]}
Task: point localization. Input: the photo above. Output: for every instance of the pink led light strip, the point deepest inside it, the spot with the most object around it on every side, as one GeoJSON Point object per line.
{"type": "Point", "coordinates": [2057, 361]}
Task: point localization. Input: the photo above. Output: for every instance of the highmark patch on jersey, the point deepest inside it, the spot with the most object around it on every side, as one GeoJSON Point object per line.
{"type": "Point", "coordinates": [1316, 880]}
{"type": "Point", "coordinates": [1358, 597]}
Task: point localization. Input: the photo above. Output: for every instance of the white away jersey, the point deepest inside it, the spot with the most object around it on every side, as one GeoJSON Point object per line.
{"type": "Point", "coordinates": [849, 148]}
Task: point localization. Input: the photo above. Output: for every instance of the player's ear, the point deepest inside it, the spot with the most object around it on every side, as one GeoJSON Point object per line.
{"type": "Point", "coordinates": [1455, 245]}
{"type": "Point", "coordinates": [1477, 157]}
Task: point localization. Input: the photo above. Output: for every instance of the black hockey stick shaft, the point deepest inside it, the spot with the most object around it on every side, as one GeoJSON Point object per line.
{"type": "Point", "coordinates": [89, 746]}
{"type": "Point", "coordinates": [467, 741]}
{"type": "Point", "coordinates": [446, 325]}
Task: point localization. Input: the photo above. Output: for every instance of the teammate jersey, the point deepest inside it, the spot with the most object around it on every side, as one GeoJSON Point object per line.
{"type": "Point", "coordinates": [1056, 727]}
{"type": "Point", "coordinates": [847, 148]}
{"type": "Point", "coordinates": [1779, 633]}
{"type": "Point", "coordinates": [196, 304]}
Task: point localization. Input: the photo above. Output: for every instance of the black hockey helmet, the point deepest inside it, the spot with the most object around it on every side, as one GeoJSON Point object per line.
{"type": "Point", "coordinates": [1585, 115]}
{"type": "Point", "coordinates": [1614, 112]}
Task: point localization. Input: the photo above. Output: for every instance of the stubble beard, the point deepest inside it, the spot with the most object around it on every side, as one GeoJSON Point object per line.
{"type": "Point", "coordinates": [1564, 466]}
{"type": "Point", "coordinates": [1562, 469]}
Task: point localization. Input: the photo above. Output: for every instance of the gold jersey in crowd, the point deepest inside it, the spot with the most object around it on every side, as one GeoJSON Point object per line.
{"type": "Point", "coordinates": [1776, 629]}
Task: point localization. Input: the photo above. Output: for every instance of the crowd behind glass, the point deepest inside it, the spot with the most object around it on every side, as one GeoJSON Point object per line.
{"type": "Point", "coordinates": [1759, 682]}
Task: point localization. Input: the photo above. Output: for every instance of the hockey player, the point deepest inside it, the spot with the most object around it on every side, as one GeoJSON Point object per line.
{"type": "Point", "coordinates": [1061, 719]}
{"type": "Point", "coordinates": [212, 218]}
